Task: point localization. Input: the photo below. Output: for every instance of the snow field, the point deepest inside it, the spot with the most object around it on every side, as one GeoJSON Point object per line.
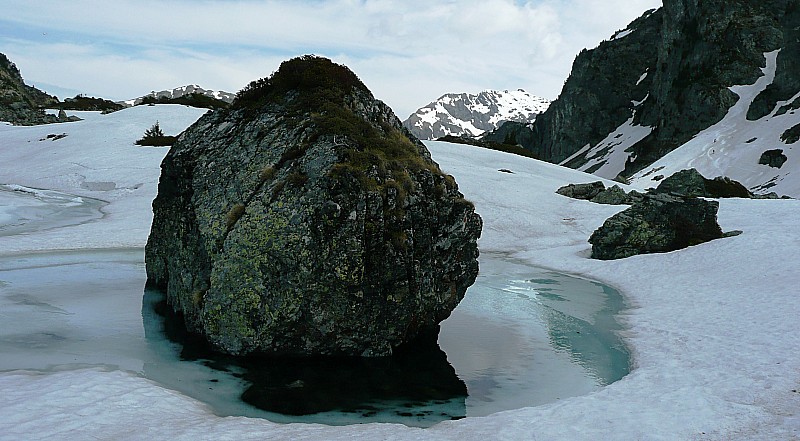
{"type": "Point", "coordinates": [713, 328]}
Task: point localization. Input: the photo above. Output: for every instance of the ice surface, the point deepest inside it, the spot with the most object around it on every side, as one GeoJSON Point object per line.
{"type": "Point", "coordinates": [532, 337]}
{"type": "Point", "coordinates": [521, 337]}
{"type": "Point", "coordinates": [713, 328]}
{"type": "Point", "coordinates": [25, 209]}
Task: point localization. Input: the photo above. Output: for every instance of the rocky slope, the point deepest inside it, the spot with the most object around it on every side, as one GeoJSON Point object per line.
{"type": "Point", "coordinates": [181, 91]}
{"type": "Point", "coordinates": [471, 115]}
{"type": "Point", "coordinates": [305, 220]}
{"type": "Point", "coordinates": [19, 103]}
{"type": "Point", "coordinates": [672, 74]}
{"type": "Point", "coordinates": [600, 94]}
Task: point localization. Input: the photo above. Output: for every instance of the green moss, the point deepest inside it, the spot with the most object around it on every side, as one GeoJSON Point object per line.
{"type": "Point", "coordinates": [297, 178]}
{"type": "Point", "coordinates": [266, 173]}
{"type": "Point", "coordinates": [197, 299]}
{"type": "Point", "coordinates": [233, 216]}
{"type": "Point", "coordinates": [317, 79]}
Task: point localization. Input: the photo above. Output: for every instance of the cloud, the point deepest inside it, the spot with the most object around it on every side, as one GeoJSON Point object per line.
{"type": "Point", "coordinates": [408, 52]}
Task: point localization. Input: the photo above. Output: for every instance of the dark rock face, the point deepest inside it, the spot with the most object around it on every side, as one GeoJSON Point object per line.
{"type": "Point", "coordinates": [658, 224]}
{"type": "Point", "coordinates": [582, 191]}
{"type": "Point", "coordinates": [512, 132]}
{"type": "Point", "coordinates": [617, 196]}
{"type": "Point", "coordinates": [782, 22]}
{"type": "Point", "coordinates": [21, 104]}
{"type": "Point", "coordinates": [791, 135]}
{"type": "Point", "coordinates": [691, 183]}
{"type": "Point", "coordinates": [705, 47]}
{"type": "Point", "coordinates": [305, 220]}
{"type": "Point", "coordinates": [596, 98]}
{"type": "Point", "coordinates": [692, 52]}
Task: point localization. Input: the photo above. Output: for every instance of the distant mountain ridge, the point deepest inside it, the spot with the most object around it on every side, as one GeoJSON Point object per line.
{"type": "Point", "coordinates": [463, 114]}
{"type": "Point", "coordinates": [181, 91]}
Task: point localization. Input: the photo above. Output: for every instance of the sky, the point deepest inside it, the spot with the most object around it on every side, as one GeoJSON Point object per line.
{"type": "Point", "coordinates": [408, 52]}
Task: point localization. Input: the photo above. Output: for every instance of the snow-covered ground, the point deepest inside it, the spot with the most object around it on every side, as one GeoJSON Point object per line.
{"type": "Point", "coordinates": [98, 159]}
{"type": "Point", "coordinates": [713, 329]}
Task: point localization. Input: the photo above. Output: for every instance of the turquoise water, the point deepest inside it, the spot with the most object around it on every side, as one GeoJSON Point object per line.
{"type": "Point", "coordinates": [523, 336]}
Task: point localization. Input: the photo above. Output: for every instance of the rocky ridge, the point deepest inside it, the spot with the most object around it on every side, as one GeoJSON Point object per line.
{"type": "Point", "coordinates": [305, 220]}
{"type": "Point", "coordinates": [470, 115]}
{"type": "Point", "coordinates": [182, 91]}
{"type": "Point", "coordinates": [19, 103]}
{"type": "Point", "coordinates": [656, 84]}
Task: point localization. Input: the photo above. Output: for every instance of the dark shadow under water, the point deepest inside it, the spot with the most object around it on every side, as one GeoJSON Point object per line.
{"type": "Point", "coordinates": [416, 381]}
{"type": "Point", "coordinates": [523, 336]}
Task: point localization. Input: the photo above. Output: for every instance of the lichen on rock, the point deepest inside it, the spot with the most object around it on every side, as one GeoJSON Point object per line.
{"type": "Point", "coordinates": [305, 220]}
{"type": "Point", "coordinates": [657, 224]}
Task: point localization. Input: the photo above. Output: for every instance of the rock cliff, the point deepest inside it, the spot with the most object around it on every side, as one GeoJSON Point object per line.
{"type": "Point", "coordinates": [598, 94]}
{"type": "Point", "coordinates": [19, 103]}
{"type": "Point", "coordinates": [655, 85]}
{"type": "Point", "coordinates": [306, 220]}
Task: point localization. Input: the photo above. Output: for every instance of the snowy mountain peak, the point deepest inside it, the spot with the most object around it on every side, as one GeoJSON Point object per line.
{"type": "Point", "coordinates": [181, 91]}
{"type": "Point", "coordinates": [471, 115]}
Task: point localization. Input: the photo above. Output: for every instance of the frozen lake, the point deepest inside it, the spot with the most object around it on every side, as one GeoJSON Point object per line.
{"type": "Point", "coordinates": [521, 337]}
{"type": "Point", "coordinates": [25, 210]}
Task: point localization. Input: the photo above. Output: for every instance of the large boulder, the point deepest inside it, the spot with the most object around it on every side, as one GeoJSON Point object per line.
{"type": "Point", "coordinates": [582, 191]}
{"type": "Point", "coordinates": [773, 158]}
{"type": "Point", "coordinates": [691, 183]}
{"type": "Point", "coordinates": [598, 193]}
{"type": "Point", "coordinates": [304, 220]}
{"type": "Point", "coordinates": [658, 224]}
{"type": "Point", "coordinates": [617, 196]}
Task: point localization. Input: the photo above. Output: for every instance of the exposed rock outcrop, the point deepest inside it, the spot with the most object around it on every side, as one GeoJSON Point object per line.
{"type": "Point", "coordinates": [598, 193]}
{"type": "Point", "coordinates": [691, 183]}
{"type": "Point", "coordinates": [305, 220]}
{"type": "Point", "coordinates": [658, 224]}
{"type": "Point", "coordinates": [666, 78]}
{"type": "Point", "coordinates": [19, 103]}
{"type": "Point", "coordinates": [615, 195]}
{"type": "Point", "coordinates": [773, 158]}
{"type": "Point", "coordinates": [582, 191]}
{"type": "Point", "coordinates": [597, 96]}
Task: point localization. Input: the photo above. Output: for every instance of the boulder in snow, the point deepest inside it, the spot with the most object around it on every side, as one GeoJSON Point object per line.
{"type": "Point", "coordinates": [658, 224]}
